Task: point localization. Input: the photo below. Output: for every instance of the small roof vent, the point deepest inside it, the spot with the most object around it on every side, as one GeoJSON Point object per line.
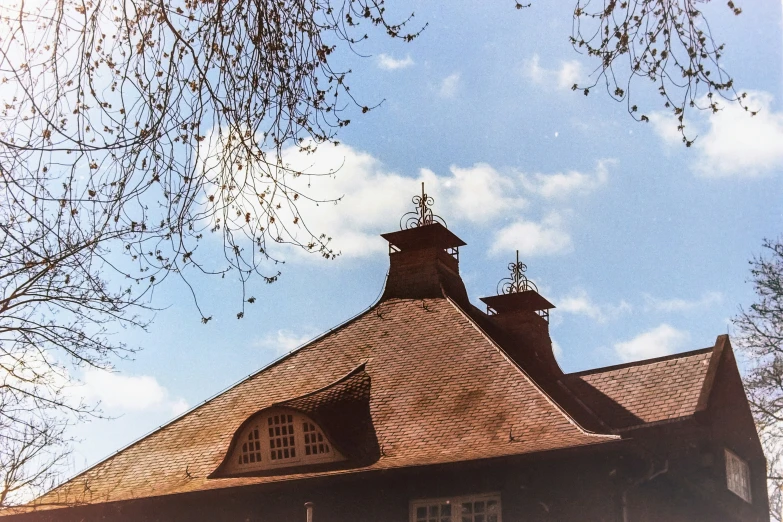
{"type": "Point", "coordinates": [517, 293]}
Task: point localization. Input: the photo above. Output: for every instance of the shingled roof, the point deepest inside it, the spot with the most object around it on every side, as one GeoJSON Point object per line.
{"type": "Point", "coordinates": [644, 392]}
{"type": "Point", "coordinates": [441, 391]}
{"type": "Point", "coordinates": [427, 377]}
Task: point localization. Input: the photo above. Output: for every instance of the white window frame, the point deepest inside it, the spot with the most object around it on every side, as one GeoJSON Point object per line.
{"type": "Point", "coordinates": [738, 476]}
{"type": "Point", "coordinates": [456, 503]}
{"type": "Point", "coordinates": [260, 422]}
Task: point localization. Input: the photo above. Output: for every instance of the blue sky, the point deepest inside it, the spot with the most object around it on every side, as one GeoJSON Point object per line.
{"type": "Point", "coordinates": [642, 244]}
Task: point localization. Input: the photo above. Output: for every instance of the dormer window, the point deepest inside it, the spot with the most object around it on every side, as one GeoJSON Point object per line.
{"type": "Point", "coordinates": [281, 437]}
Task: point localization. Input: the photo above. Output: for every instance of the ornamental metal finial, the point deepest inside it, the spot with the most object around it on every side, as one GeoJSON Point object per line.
{"type": "Point", "coordinates": [517, 282]}
{"type": "Point", "coordinates": [423, 215]}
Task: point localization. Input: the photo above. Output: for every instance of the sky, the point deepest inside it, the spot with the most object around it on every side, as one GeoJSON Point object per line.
{"type": "Point", "coordinates": [641, 243]}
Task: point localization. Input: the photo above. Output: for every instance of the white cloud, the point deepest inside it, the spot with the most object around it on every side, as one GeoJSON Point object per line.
{"type": "Point", "coordinates": [563, 77]}
{"type": "Point", "coordinates": [557, 350]}
{"type": "Point", "coordinates": [372, 195]}
{"type": "Point", "coordinates": [737, 144]}
{"type": "Point", "coordinates": [734, 143]}
{"type": "Point", "coordinates": [580, 303]}
{"type": "Point", "coordinates": [351, 196]}
{"type": "Point", "coordinates": [283, 341]}
{"type": "Point", "coordinates": [665, 126]}
{"type": "Point", "coordinates": [390, 63]}
{"type": "Point", "coordinates": [682, 305]}
{"type": "Point", "coordinates": [119, 393]}
{"type": "Point", "coordinates": [564, 184]}
{"type": "Point", "coordinates": [449, 85]}
{"type": "Point", "coordinates": [662, 340]}
{"type": "Point", "coordinates": [478, 193]}
{"type": "Point", "coordinates": [531, 238]}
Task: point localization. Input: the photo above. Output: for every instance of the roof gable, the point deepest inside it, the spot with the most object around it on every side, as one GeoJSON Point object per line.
{"type": "Point", "coordinates": [441, 391]}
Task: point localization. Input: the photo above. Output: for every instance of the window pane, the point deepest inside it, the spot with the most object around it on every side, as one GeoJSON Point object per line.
{"type": "Point", "coordinates": [483, 508]}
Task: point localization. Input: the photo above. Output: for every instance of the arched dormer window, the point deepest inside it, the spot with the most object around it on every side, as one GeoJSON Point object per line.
{"type": "Point", "coordinates": [280, 437]}
{"type": "Point", "coordinates": [302, 432]}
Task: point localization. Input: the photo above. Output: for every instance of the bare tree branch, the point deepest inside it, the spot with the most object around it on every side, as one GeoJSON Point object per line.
{"type": "Point", "coordinates": [761, 338]}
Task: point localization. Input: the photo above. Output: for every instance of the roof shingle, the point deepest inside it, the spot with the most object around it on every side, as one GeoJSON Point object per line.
{"type": "Point", "coordinates": [643, 392]}
{"type": "Point", "coordinates": [441, 391]}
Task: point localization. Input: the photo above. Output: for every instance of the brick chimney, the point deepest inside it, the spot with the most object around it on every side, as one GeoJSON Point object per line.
{"type": "Point", "coordinates": [423, 263]}
{"type": "Point", "coordinates": [424, 256]}
{"type": "Point", "coordinates": [520, 316]}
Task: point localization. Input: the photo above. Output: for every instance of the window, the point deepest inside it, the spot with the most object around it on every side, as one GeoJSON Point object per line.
{"type": "Point", "coordinates": [282, 444]}
{"type": "Point", "coordinates": [315, 444]}
{"type": "Point", "coordinates": [738, 476]}
{"type": "Point", "coordinates": [480, 508]}
{"type": "Point", "coordinates": [281, 438]}
{"type": "Point", "coordinates": [251, 450]}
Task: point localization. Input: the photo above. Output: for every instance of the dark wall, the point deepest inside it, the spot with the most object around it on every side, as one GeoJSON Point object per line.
{"type": "Point", "coordinates": [731, 426]}
{"type": "Point", "coordinates": [601, 486]}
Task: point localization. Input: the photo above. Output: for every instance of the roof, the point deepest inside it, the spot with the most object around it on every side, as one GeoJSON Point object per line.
{"type": "Point", "coordinates": [527, 300]}
{"type": "Point", "coordinates": [434, 235]}
{"type": "Point", "coordinates": [650, 391]}
{"type": "Point", "coordinates": [440, 391]}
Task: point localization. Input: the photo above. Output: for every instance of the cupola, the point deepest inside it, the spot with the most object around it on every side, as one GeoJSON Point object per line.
{"type": "Point", "coordinates": [521, 314]}
{"type": "Point", "coordinates": [423, 256]}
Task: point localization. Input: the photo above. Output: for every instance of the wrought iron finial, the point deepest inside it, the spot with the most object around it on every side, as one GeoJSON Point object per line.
{"type": "Point", "coordinates": [423, 215]}
{"type": "Point", "coordinates": [517, 281]}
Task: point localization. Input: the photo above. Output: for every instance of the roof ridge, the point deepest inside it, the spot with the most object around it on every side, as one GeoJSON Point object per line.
{"type": "Point", "coordinates": [642, 362]}
{"type": "Point", "coordinates": [529, 379]}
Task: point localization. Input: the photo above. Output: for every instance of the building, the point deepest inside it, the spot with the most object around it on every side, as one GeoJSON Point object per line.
{"type": "Point", "coordinates": [426, 408]}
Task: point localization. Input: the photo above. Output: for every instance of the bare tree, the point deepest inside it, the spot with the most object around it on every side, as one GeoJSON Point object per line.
{"type": "Point", "coordinates": [760, 328]}
{"type": "Point", "coordinates": [128, 130]}
{"type": "Point", "coordinates": [33, 448]}
{"type": "Point", "coordinates": [137, 134]}
{"type": "Point", "coordinates": [668, 43]}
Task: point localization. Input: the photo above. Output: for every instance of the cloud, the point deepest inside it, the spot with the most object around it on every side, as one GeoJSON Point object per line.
{"type": "Point", "coordinates": [390, 63]}
{"type": "Point", "coordinates": [662, 340]}
{"type": "Point", "coordinates": [547, 237]}
{"type": "Point", "coordinates": [563, 78]}
{"type": "Point", "coordinates": [580, 303]}
{"type": "Point", "coordinates": [371, 195]}
{"type": "Point", "coordinates": [665, 126]}
{"type": "Point", "coordinates": [449, 85]}
{"type": "Point", "coordinates": [564, 184]}
{"type": "Point", "coordinates": [734, 143]}
{"type": "Point", "coordinates": [737, 144]}
{"type": "Point", "coordinates": [350, 196]}
{"type": "Point", "coordinates": [557, 350]}
{"type": "Point", "coordinates": [119, 393]}
{"type": "Point", "coordinates": [283, 341]}
{"type": "Point", "coordinates": [682, 305]}
{"type": "Point", "coordinates": [478, 193]}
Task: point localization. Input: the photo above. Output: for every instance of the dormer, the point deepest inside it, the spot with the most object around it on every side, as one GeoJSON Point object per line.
{"type": "Point", "coordinates": [280, 437]}
{"type": "Point", "coordinates": [328, 428]}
